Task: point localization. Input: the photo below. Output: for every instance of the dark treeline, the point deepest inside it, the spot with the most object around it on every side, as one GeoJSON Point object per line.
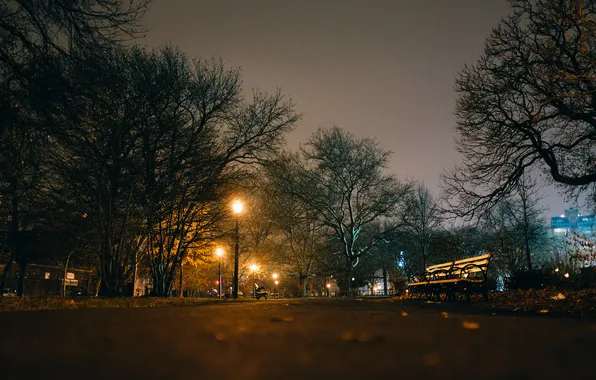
{"type": "Point", "coordinates": [126, 160]}
{"type": "Point", "coordinates": [128, 152]}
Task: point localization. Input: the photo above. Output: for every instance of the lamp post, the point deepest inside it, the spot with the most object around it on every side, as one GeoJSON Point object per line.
{"type": "Point", "coordinates": [328, 290]}
{"type": "Point", "coordinates": [237, 208]}
{"type": "Point", "coordinates": [254, 269]}
{"type": "Point", "coordinates": [219, 252]}
{"type": "Point", "coordinates": [275, 281]}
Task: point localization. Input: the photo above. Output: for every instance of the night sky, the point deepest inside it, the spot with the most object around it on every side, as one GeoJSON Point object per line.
{"type": "Point", "coordinates": [382, 69]}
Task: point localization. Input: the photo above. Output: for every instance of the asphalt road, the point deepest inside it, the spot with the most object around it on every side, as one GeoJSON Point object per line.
{"type": "Point", "coordinates": [294, 339]}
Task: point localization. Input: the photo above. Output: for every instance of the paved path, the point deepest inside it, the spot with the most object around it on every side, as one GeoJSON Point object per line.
{"type": "Point", "coordinates": [294, 339]}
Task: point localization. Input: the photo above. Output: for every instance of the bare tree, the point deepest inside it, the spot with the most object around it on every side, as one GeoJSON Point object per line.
{"type": "Point", "coordinates": [512, 231]}
{"type": "Point", "coordinates": [528, 215]}
{"type": "Point", "coordinates": [33, 35]}
{"type": "Point", "coordinates": [341, 178]}
{"type": "Point", "coordinates": [421, 220]}
{"type": "Point", "coordinates": [37, 26]}
{"type": "Point", "coordinates": [502, 238]}
{"type": "Point", "coordinates": [297, 233]}
{"type": "Point", "coordinates": [96, 160]}
{"type": "Point", "coordinates": [528, 103]}
{"type": "Point", "coordinates": [202, 129]}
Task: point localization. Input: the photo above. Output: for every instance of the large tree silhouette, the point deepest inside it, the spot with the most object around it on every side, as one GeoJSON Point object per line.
{"type": "Point", "coordinates": [529, 103]}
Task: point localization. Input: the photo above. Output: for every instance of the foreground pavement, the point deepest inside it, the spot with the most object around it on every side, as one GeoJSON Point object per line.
{"type": "Point", "coordinates": [294, 339]}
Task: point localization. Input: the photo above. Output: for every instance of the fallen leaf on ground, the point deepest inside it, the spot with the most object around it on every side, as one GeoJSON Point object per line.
{"type": "Point", "coordinates": [348, 336]}
{"type": "Point", "coordinates": [220, 336]}
{"type": "Point", "coordinates": [364, 337]}
{"type": "Point", "coordinates": [559, 297]}
{"type": "Point", "coordinates": [404, 314]}
{"type": "Point", "coordinates": [282, 319]}
{"type": "Point", "coordinates": [471, 325]}
{"type": "Point", "coordinates": [432, 359]}
{"type": "Point", "coordinates": [445, 314]}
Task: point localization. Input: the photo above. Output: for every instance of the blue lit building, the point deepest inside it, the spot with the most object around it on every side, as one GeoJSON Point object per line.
{"type": "Point", "coordinates": [573, 221]}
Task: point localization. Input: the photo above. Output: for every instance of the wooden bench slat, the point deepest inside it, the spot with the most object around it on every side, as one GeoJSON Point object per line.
{"type": "Point", "coordinates": [446, 281]}
{"type": "Point", "coordinates": [471, 260]}
{"type": "Point", "coordinates": [480, 263]}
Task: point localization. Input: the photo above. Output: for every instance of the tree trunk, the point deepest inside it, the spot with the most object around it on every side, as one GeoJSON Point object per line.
{"type": "Point", "coordinates": [22, 272]}
{"type": "Point", "coordinates": [301, 288]}
{"type": "Point", "coordinates": [385, 281]}
{"type": "Point", "coordinates": [98, 285]}
{"type": "Point", "coordinates": [134, 276]}
{"type": "Point", "coordinates": [528, 254]}
{"type": "Point", "coordinates": [181, 273]}
{"type": "Point", "coordinates": [13, 241]}
{"type": "Point", "coordinates": [6, 270]}
{"type": "Point", "coordinates": [304, 286]}
{"type": "Point", "coordinates": [162, 283]}
{"type": "Point", "coordinates": [65, 275]}
{"type": "Point", "coordinates": [107, 290]}
{"type": "Point", "coordinates": [348, 279]}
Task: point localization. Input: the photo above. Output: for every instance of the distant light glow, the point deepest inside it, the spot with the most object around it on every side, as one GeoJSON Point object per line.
{"type": "Point", "coordinates": [556, 269]}
{"type": "Point", "coordinates": [237, 206]}
{"type": "Point", "coordinates": [566, 275]}
{"type": "Point", "coordinates": [275, 275]}
{"type": "Point", "coordinates": [254, 267]}
{"type": "Point", "coordinates": [219, 252]}
{"type": "Point", "coordinates": [328, 286]}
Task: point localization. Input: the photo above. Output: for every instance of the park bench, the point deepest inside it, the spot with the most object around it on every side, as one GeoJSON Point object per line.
{"type": "Point", "coordinates": [453, 278]}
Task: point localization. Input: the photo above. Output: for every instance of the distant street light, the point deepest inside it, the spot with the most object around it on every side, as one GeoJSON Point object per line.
{"type": "Point", "coordinates": [254, 268]}
{"type": "Point", "coordinates": [237, 208]}
{"type": "Point", "coordinates": [219, 252]}
{"type": "Point", "coordinates": [275, 275]}
{"type": "Point", "coordinates": [328, 290]}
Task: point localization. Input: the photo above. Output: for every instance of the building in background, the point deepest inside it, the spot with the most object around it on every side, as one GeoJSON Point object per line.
{"type": "Point", "coordinates": [575, 239]}
{"type": "Point", "coordinates": [49, 280]}
{"type": "Point", "coordinates": [572, 221]}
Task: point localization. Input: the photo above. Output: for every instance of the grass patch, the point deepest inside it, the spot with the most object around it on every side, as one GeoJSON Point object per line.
{"type": "Point", "coordinates": [565, 303]}
{"type": "Point", "coordinates": [56, 303]}
{"type": "Point", "coordinates": [570, 303]}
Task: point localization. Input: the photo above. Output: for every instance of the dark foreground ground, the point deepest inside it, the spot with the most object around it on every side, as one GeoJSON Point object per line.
{"type": "Point", "coordinates": [294, 339]}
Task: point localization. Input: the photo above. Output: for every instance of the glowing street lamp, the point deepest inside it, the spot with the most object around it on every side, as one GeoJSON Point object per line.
{"type": "Point", "coordinates": [275, 276]}
{"type": "Point", "coordinates": [219, 252]}
{"type": "Point", "coordinates": [237, 207]}
{"type": "Point", "coordinates": [254, 268]}
{"type": "Point", "coordinates": [328, 290]}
